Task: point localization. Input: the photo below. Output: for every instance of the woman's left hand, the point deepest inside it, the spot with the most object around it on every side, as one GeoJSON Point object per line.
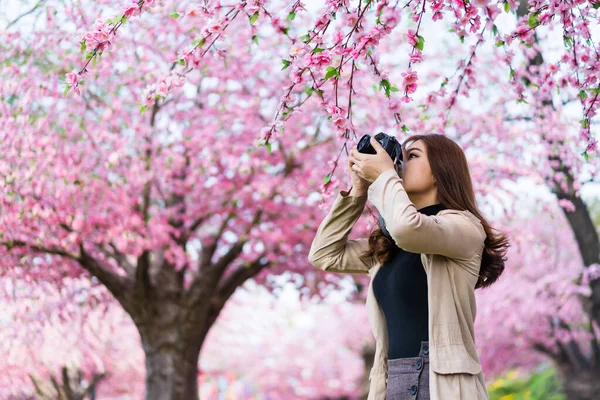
{"type": "Point", "coordinates": [370, 166]}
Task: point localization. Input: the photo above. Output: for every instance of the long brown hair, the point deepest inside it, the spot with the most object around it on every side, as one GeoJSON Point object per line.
{"type": "Point", "coordinates": [455, 191]}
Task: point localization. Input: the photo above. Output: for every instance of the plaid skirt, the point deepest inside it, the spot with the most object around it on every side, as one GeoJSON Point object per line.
{"type": "Point", "coordinates": [408, 378]}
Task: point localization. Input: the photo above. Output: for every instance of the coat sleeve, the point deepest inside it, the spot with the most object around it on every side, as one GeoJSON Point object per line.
{"type": "Point", "coordinates": [331, 250]}
{"type": "Point", "coordinates": [452, 235]}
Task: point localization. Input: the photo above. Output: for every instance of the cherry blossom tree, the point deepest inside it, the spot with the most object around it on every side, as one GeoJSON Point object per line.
{"type": "Point", "coordinates": [183, 161]}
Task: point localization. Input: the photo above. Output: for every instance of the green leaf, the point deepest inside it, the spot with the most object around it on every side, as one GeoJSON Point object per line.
{"type": "Point", "coordinates": [143, 109]}
{"type": "Point", "coordinates": [317, 50]}
{"type": "Point", "coordinates": [286, 64]}
{"type": "Point", "coordinates": [327, 179]}
{"type": "Point", "coordinates": [253, 18]}
{"type": "Point", "coordinates": [174, 15]}
{"type": "Point", "coordinates": [305, 38]}
{"type": "Point", "coordinates": [582, 94]}
{"type": "Point", "coordinates": [596, 91]}
{"type": "Point", "coordinates": [405, 128]}
{"type": "Point", "coordinates": [255, 39]}
{"type": "Point", "coordinates": [511, 74]}
{"type": "Point", "coordinates": [568, 42]}
{"type": "Point", "coordinates": [420, 42]}
{"type": "Point", "coordinates": [291, 16]}
{"type": "Point", "coordinates": [123, 19]}
{"type": "Point", "coordinates": [394, 89]}
{"type": "Point", "coordinates": [83, 46]}
{"type": "Point", "coordinates": [462, 39]}
{"type": "Point", "coordinates": [269, 147]}
{"type": "Point", "coordinates": [309, 90]}
{"type": "Point", "coordinates": [199, 42]}
{"type": "Point", "coordinates": [585, 155]}
{"type": "Point", "coordinates": [89, 55]}
{"type": "Point", "coordinates": [331, 72]}
{"type": "Point", "coordinates": [585, 123]}
{"type": "Point", "coordinates": [596, 5]}
{"type": "Point", "coordinates": [181, 62]}
{"type": "Point", "coordinates": [533, 21]}
{"type": "Point", "coordinates": [519, 101]}
{"type": "Point", "coordinates": [66, 91]}
{"type": "Point", "coordinates": [500, 43]}
{"type": "Point", "coordinates": [506, 6]}
{"type": "Point", "coordinates": [495, 30]}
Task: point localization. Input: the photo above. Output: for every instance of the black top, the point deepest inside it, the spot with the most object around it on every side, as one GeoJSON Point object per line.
{"type": "Point", "coordinates": [400, 287]}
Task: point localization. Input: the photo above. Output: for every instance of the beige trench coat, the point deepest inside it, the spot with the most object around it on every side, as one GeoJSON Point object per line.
{"type": "Point", "coordinates": [451, 245]}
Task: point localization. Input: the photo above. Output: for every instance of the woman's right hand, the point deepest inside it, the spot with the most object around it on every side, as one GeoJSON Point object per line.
{"type": "Point", "coordinates": [359, 185]}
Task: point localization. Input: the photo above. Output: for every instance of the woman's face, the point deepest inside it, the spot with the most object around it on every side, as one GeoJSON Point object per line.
{"type": "Point", "coordinates": [417, 178]}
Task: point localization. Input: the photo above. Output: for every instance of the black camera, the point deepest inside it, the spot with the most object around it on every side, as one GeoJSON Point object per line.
{"type": "Point", "coordinates": [389, 143]}
{"type": "Point", "coordinates": [394, 149]}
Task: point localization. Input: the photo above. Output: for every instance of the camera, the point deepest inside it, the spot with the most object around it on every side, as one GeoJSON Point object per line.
{"type": "Point", "coordinates": [389, 143]}
{"type": "Point", "coordinates": [394, 150]}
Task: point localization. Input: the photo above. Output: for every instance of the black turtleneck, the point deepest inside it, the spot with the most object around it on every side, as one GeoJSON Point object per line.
{"type": "Point", "coordinates": [400, 287]}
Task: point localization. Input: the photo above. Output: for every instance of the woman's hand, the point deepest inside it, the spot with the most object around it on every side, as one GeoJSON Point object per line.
{"type": "Point", "coordinates": [368, 167]}
{"type": "Point", "coordinates": [359, 185]}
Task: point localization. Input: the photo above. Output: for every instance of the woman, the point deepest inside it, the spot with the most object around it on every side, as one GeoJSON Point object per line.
{"type": "Point", "coordinates": [434, 250]}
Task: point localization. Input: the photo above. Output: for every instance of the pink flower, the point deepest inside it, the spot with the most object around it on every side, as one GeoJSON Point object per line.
{"type": "Point", "coordinates": [320, 59]}
{"type": "Point", "coordinates": [162, 89]}
{"type": "Point", "coordinates": [215, 28]}
{"type": "Point", "coordinates": [416, 57]}
{"type": "Point", "coordinates": [411, 35]}
{"type": "Point", "coordinates": [131, 9]}
{"type": "Point", "coordinates": [592, 146]}
{"type": "Point", "coordinates": [567, 205]}
{"type": "Point", "coordinates": [339, 121]}
{"type": "Point", "coordinates": [147, 4]}
{"type": "Point", "coordinates": [410, 78]}
{"type": "Point", "coordinates": [72, 79]}
{"type": "Point", "coordinates": [393, 105]}
{"type": "Point", "coordinates": [437, 7]}
{"type": "Point", "coordinates": [338, 37]}
{"type": "Point", "coordinates": [390, 17]}
{"type": "Point", "coordinates": [331, 108]}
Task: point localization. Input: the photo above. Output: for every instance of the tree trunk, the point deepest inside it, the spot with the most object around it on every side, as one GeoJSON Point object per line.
{"type": "Point", "coordinates": [171, 368]}
{"type": "Point", "coordinates": [582, 384]}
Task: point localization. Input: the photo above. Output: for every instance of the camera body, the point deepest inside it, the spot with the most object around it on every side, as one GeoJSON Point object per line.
{"type": "Point", "coordinates": [394, 150]}
{"type": "Point", "coordinates": [389, 143]}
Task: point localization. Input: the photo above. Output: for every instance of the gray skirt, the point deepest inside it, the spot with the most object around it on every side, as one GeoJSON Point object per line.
{"type": "Point", "coordinates": [408, 378]}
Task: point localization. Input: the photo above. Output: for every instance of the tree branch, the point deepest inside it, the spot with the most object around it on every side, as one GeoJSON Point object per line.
{"type": "Point", "coordinates": [38, 5]}
{"type": "Point", "coordinates": [116, 284]}
{"type": "Point", "coordinates": [237, 278]}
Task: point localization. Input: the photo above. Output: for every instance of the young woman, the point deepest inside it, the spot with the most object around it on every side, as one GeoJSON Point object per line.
{"type": "Point", "coordinates": [432, 250]}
